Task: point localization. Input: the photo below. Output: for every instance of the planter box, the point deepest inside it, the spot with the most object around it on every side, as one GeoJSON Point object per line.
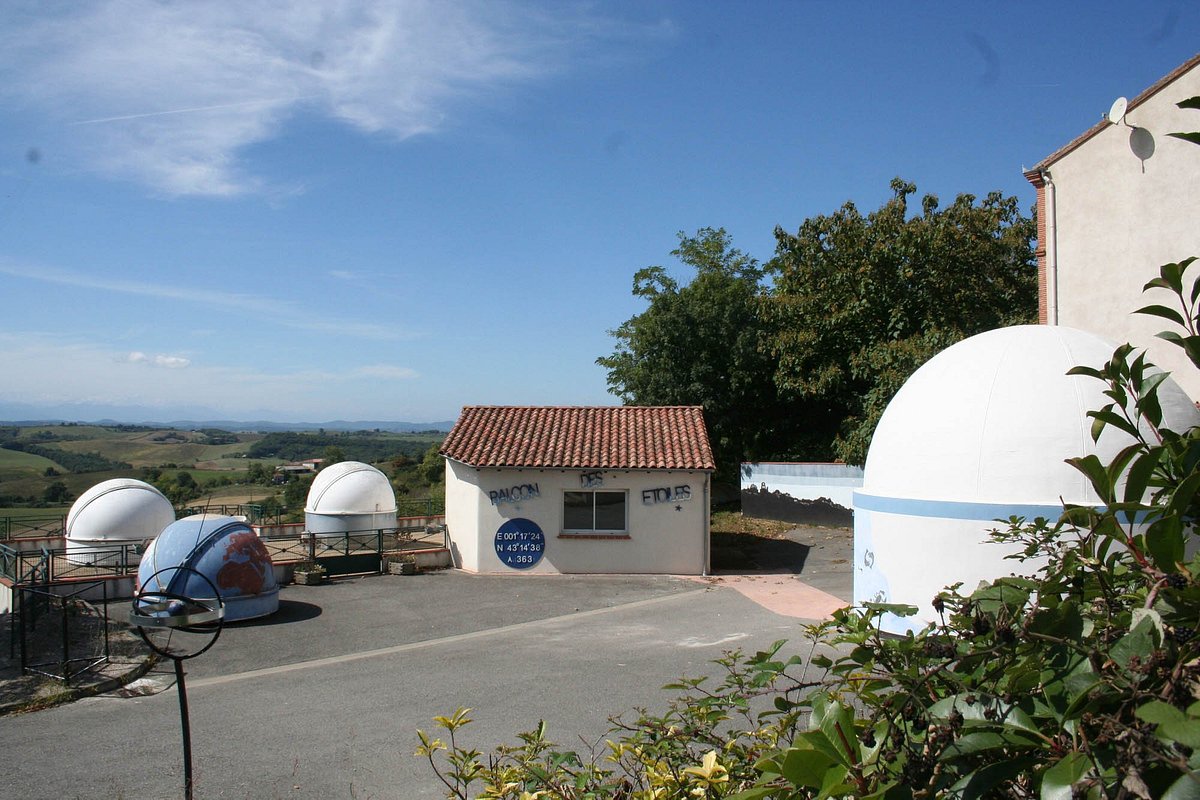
{"type": "Point", "coordinates": [308, 578]}
{"type": "Point", "coordinates": [402, 567]}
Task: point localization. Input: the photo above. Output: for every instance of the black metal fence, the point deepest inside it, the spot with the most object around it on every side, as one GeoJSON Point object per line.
{"type": "Point", "coordinates": [51, 565]}
{"type": "Point", "coordinates": [60, 635]}
{"type": "Point", "coordinates": [23, 527]}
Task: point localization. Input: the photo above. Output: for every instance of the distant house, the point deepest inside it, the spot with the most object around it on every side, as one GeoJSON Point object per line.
{"type": "Point", "coordinates": [1112, 206]}
{"type": "Point", "coordinates": [579, 489]}
{"type": "Point", "coordinates": [307, 467]}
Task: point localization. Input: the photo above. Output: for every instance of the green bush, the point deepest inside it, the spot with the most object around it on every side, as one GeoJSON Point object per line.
{"type": "Point", "coordinates": [1081, 680]}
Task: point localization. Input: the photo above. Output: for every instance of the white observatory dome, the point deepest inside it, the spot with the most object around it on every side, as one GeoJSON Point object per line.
{"type": "Point", "coordinates": [978, 434]}
{"type": "Point", "coordinates": [112, 513]}
{"type": "Point", "coordinates": [350, 487]}
{"type": "Point", "coordinates": [349, 497]}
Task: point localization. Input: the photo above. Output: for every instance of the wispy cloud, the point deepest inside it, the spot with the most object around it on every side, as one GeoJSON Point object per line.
{"type": "Point", "coordinates": [46, 369]}
{"type": "Point", "coordinates": [387, 372]}
{"type": "Point", "coordinates": [169, 94]}
{"type": "Point", "coordinates": [274, 309]}
{"type": "Point", "coordinates": [170, 362]}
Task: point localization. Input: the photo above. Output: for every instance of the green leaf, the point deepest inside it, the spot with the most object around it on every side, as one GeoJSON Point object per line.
{"type": "Point", "coordinates": [1007, 716]}
{"type": "Point", "coordinates": [1063, 621]}
{"type": "Point", "coordinates": [1193, 136]}
{"type": "Point", "coordinates": [1138, 477]}
{"type": "Point", "coordinates": [755, 794]}
{"type": "Point", "coordinates": [1186, 787]}
{"type": "Point", "coordinates": [1184, 494]}
{"type": "Point", "coordinates": [1157, 712]}
{"type": "Point", "coordinates": [836, 721]}
{"type": "Point", "coordinates": [977, 742]}
{"type": "Point", "coordinates": [1058, 780]}
{"type": "Point", "coordinates": [1190, 102]}
{"type": "Point", "coordinates": [1094, 471]}
{"type": "Point", "coordinates": [1166, 313]}
{"type": "Point", "coordinates": [1138, 642]}
{"type": "Point", "coordinates": [804, 767]}
{"type": "Point", "coordinates": [1165, 542]}
{"type": "Point", "coordinates": [980, 782]}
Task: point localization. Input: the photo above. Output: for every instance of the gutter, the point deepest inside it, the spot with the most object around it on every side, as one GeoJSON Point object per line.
{"type": "Point", "coordinates": [1051, 252]}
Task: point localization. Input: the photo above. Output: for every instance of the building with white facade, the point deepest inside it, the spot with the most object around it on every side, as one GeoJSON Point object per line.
{"type": "Point", "coordinates": [1113, 206]}
{"type": "Point", "coordinates": [539, 489]}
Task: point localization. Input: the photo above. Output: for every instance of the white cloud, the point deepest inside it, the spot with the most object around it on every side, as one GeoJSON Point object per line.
{"type": "Point", "coordinates": [387, 371]}
{"type": "Point", "coordinates": [170, 362]}
{"type": "Point", "coordinates": [275, 309]}
{"type": "Point", "coordinates": [168, 94]}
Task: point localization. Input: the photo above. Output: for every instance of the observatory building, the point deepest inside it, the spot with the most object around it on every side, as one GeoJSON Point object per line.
{"type": "Point", "coordinates": [978, 434]}
{"type": "Point", "coordinates": [117, 512]}
{"type": "Point", "coordinates": [349, 497]}
{"type": "Point", "coordinates": [226, 551]}
{"type": "Point", "coordinates": [553, 489]}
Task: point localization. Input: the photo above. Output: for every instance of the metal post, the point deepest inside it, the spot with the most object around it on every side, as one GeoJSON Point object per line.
{"type": "Point", "coordinates": [66, 644]}
{"type": "Point", "coordinates": [181, 688]}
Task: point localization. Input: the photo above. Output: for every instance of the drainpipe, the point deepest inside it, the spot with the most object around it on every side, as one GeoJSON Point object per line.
{"type": "Point", "coordinates": [1051, 252]}
{"type": "Point", "coordinates": [707, 527]}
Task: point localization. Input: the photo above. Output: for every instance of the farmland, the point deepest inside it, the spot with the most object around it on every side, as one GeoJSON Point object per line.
{"type": "Point", "coordinates": [45, 466]}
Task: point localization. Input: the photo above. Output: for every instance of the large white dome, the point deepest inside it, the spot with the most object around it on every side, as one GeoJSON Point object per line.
{"type": "Point", "coordinates": [992, 418]}
{"type": "Point", "coordinates": [350, 487]}
{"type": "Point", "coordinates": [119, 510]}
{"type": "Point", "coordinates": [977, 434]}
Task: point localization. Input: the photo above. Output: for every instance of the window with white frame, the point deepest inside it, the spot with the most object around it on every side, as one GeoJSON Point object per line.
{"type": "Point", "coordinates": [594, 512]}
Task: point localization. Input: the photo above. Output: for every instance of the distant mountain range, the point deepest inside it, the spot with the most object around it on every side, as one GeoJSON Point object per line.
{"type": "Point", "coordinates": [258, 426]}
{"type": "Point", "coordinates": [23, 415]}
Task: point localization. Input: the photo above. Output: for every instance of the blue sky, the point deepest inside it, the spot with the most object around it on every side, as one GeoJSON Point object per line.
{"type": "Point", "coordinates": [388, 210]}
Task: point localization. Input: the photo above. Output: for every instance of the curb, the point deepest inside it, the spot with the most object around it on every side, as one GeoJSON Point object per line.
{"type": "Point", "coordinates": [72, 694]}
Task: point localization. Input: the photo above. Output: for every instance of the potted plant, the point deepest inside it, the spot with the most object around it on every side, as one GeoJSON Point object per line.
{"type": "Point", "coordinates": [403, 564]}
{"type": "Point", "coordinates": [308, 573]}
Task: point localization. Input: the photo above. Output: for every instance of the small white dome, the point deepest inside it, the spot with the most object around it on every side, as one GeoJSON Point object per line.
{"type": "Point", "coordinates": [351, 487]}
{"type": "Point", "coordinates": [119, 510]}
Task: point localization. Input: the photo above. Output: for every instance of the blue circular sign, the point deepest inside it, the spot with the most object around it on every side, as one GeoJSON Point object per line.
{"type": "Point", "coordinates": [520, 543]}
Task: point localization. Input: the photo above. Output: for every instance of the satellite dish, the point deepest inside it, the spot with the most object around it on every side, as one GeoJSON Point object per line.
{"type": "Point", "coordinates": [1116, 114]}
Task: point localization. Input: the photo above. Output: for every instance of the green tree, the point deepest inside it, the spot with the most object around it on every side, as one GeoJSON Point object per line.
{"type": "Point", "coordinates": [256, 473]}
{"type": "Point", "coordinates": [333, 455]}
{"type": "Point", "coordinates": [699, 344]}
{"type": "Point", "coordinates": [858, 303]}
{"type": "Point", "coordinates": [56, 493]}
{"type": "Point", "coordinates": [433, 467]}
{"type": "Point", "coordinates": [295, 494]}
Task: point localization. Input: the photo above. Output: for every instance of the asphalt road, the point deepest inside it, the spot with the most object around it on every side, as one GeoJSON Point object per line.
{"type": "Point", "coordinates": [323, 699]}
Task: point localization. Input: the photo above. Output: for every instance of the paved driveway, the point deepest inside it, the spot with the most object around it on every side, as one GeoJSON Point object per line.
{"type": "Point", "coordinates": [322, 700]}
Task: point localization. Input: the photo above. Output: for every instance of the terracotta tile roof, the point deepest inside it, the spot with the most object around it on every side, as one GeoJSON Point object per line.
{"type": "Point", "coordinates": [581, 437]}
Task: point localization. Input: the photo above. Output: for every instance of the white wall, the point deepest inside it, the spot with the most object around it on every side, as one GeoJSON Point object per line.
{"type": "Point", "coordinates": [1120, 217]}
{"type": "Point", "coordinates": [664, 535]}
{"type": "Point", "coordinates": [805, 481]}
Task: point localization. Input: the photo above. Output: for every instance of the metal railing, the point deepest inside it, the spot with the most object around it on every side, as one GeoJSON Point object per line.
{"type": "Point", "coordinates": [305, 545]}
{"type": "Point", "coordinates": [49, 525]}
{"type": "Point", "coordinates": [49, 565]}
{"type": "Point", "coordinates": [52, 565]}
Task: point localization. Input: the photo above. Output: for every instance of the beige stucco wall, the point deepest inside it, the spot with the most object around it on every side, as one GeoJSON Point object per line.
{"type": "Point", "coordinates": [664, 536]}
{"type": "Point", "coordinates": [1119, 217]}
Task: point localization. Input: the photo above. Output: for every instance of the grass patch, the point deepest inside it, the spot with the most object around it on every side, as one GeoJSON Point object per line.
{"type": "Point", "coordinates": [733, 523]}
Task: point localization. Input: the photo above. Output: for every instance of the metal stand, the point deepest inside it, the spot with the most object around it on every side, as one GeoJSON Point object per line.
{"type": "Point", "coordinates": [156, 608]}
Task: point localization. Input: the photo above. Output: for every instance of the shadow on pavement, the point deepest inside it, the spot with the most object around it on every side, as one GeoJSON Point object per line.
{"type": "Point", "coordinates": [289, 611]}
